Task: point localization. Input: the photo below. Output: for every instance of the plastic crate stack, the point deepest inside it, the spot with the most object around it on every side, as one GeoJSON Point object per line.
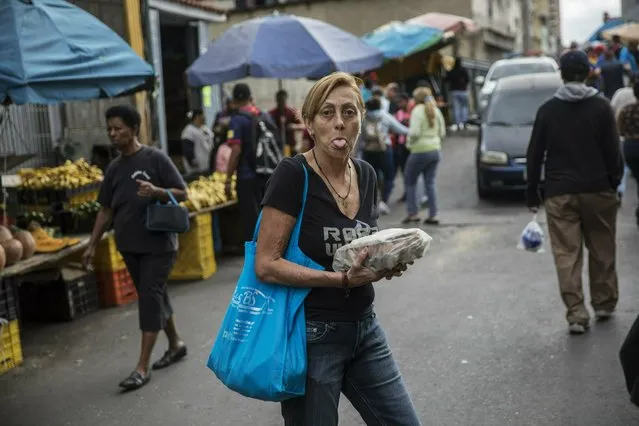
{"type": "Point", "coordinates": [115, 285]}
{"type": "Point", "coordinates": [58, 294]}
{"type": "Point", "coordinates": [196, 256]}
{"type": "Point", "coordinates": [10, 345]}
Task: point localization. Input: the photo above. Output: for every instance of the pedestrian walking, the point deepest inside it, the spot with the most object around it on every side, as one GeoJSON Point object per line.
{"type": "Point", "coordinates": [246, 128]}
{"type": "Point", "coordinates": [377, 149]}
{"type": "Point", "coordinates": [138, 176]}
{"type": "Point", "coordinates": [427, 130]}
{"type": "Point", "coordinates": [458, 79]}
{"type": "Point", "coordinates": [628, 122]}
{"type": "Point", "coordinates": [575, 141]}
{"type": "Point", "coordinates": [623, 97]}
{"type": "Point", "coordinates": [347, 351]}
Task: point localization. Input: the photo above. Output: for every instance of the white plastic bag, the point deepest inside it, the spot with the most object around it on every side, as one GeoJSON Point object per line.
{"type": "Point", "coordinates": [532, 238]}
{"type": "Point", "coordinates": [387, 249]}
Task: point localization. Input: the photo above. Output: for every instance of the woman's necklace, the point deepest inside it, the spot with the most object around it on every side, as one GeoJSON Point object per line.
{"type": "Point", "coordinates": [344, 199]}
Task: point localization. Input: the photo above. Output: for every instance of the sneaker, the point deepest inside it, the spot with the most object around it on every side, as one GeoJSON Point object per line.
{"type": "Point", "coordinates": [383, 208]}
{"type": "Point", "coordinates": [577, 328]}
{"type": "Point", "coordinates": [603, 315]}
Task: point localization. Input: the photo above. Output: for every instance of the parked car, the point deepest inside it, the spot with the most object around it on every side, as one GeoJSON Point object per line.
{"type": "Point", "coordinates": [505, 131]}
{"type": "Point", "coordinates": [508, 68]}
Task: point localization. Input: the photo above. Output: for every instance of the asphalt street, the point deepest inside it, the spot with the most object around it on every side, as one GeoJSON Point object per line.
{"type": "Point", "coordinates": [477, 328]}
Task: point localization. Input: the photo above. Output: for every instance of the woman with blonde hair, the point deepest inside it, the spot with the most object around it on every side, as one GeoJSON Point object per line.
{"type": "Point", "coordinates": [347, 351]}
{"type": "Point", "coordinates": [426, 130]}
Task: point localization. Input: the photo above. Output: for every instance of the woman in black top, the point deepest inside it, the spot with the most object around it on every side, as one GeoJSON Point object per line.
{"type": "Point", "coordinates": [141, 175]}
{"type": "Point", "coordinates": [346, 347]}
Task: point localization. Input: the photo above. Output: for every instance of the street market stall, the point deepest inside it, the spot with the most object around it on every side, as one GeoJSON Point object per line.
{"type": "Point", "coordinates": [49, 57]}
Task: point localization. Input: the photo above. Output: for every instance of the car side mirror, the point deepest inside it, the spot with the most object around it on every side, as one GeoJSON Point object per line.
{"type": "Point", "coordinates": [480, 80]}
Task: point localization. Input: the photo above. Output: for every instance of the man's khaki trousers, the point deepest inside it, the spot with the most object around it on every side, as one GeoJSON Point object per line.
{"type": "Point", "coordinates": [575, 219]}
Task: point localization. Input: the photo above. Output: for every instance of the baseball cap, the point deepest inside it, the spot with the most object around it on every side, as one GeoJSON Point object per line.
{"type": "Point", "coordinates": [574, 61]}
{"type": "Point", "coordinates": [241, 92]}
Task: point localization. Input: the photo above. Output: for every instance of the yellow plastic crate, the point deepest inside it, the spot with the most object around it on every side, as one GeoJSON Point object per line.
{"type": "Point", "coordinates": [196, 257]}
{"type": "Point", "coordinates": [83, 197]}
{"type": "Point", "coordinates": [107, 257]}
{"type": "Point", "coordinates": [10, 346]}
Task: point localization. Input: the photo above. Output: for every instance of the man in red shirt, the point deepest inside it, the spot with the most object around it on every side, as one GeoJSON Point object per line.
{"type": "Point", "coordinates": [283, 116]}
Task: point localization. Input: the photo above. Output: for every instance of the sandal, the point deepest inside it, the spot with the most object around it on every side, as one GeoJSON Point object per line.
{"type": "Point", "coordinates": [170, 357]}
{"type": "Point", "coordinates": [135, 381]}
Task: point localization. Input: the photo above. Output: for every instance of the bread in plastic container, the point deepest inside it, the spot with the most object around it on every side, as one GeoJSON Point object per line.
{"type": "Point", "coordinates": [387, 249]}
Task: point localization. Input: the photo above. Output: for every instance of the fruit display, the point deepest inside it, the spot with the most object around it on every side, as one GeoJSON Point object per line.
{"type": "Point", "coordinates": [3, 259]}
{"type": "Point", "coordinates": [45, 243]}
{"type": "Point", "coordinates": [70, 175]}
{"type": "Point", "coordinates": [36, 216]}
{"type": "Point", "coordinates": [86, 210]}
{"type": "Point", "coordinates": [209, 192]}
{"type": "Point", "coordinates": [13, 251]}
{"type": "Point", "coordinates": [27, 241]}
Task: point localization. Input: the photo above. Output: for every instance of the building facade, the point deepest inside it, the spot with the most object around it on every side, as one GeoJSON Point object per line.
{"type": "Point", "coordinates": [630, 9]}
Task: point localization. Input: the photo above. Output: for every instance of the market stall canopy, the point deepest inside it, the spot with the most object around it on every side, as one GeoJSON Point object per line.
{"type": "Point", "coordinates": [597, 35]}
{"type": "Point", "coordinates": [53, 51]}
{"type": "Point", "coordinates": [281, 46]}
{"type": "Point", "coordinates": [397, 39]}
{"type": "Point", "coordinates": [444, 22]}
{"type": "Point", "coordinates": [627, 32]}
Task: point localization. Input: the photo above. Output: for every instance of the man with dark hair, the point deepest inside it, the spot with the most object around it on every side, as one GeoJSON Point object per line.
{"type": "Point", "coordinates": [284, 118]}
{"type": "Point", "coordinates": [612, 72]}
{"type": "Point", "coordinates": [575, 139]}
{"type": "Point", "coordinates": [242, 138]}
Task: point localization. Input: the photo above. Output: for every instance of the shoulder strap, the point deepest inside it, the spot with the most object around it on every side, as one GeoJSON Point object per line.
{"type": "Point", "coordinates": [295, 235]}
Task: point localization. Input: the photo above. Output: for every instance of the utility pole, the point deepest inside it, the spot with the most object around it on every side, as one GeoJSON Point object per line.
{"type": "Point", "coordinates": [525, 21]}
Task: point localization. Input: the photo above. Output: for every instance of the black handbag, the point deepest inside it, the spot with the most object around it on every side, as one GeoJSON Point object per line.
{"type": "Point", "coordinates": [169, 217]}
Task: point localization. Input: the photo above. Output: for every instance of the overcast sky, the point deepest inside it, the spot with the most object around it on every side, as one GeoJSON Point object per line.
{"type": "Point", "coordinates": [580, 18]}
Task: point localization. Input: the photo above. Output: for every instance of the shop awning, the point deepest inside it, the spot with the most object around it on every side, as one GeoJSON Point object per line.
{"type": "Point", "coordinates": [53, 51]}
{"type": "Point", "coordinates": [627, 32]}
{"type": "Point", "coordinates": [444, 22]}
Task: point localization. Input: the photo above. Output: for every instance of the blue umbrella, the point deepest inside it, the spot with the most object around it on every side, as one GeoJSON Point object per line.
{"type": "Point", "coordinates": [281, 46]}
{"type": "Point", "coordinates": [597, 35]}
{"type": "Point", "coordinates": [397, 39]}
{"type": "Point", "coordinates": [54, 51]}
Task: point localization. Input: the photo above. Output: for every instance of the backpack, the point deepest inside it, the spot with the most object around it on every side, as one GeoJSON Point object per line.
{"type": "Point", "coordinates": [372, 137]}
{"type": "Point", "coordinates": [267, 147]}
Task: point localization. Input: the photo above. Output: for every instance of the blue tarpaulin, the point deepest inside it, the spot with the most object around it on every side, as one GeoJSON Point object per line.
{"type": "Point", "coordinates": [282, 46]}
{"type": "Point", "coordinates": [53, 51]}
{"type": "Point", "coordinates": [597, 35]}
{"type": "Point", "coordinates": [397, 39]}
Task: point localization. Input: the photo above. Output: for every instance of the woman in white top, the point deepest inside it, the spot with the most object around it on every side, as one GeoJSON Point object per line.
{"type": "Point", "coordinates": [197, 143]}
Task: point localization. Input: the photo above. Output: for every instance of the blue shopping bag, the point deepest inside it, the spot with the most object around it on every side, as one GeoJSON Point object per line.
{"type": "Point", "coordinates": [260, 349]}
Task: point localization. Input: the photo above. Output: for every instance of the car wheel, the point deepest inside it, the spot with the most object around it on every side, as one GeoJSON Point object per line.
{"type": "Point", "coordinates": [482, 192]}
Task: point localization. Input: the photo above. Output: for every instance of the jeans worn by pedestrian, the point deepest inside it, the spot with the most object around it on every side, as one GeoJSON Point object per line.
{"type": "Point", "coordinates": [631, 155]}
{"type": "Point", "coordinates": [460, 106]}
{"type": "Point", "coordinates": [352, 358]}
{"type": "Point", "coordinates": [384, 164]}
{"type": "Point", "coordinates": [575, 219]}
{"type": "Point", "coordinates": [424, 163]}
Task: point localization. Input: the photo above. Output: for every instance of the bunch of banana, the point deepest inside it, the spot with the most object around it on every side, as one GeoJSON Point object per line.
{"type": "Point", "coordinates": [208, 192]}
{"type": "Point", "coordinates": [70, 175]}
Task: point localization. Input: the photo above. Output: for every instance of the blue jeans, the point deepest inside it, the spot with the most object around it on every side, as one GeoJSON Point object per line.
{"type": "Point", "coordinates": [424, 163]}
{"type": "Point", "coordinates": [352, 358]}
{"type": "Point", "coordinates": [460, 106]}
{"type": "Point", "coordinates": [384, 164]}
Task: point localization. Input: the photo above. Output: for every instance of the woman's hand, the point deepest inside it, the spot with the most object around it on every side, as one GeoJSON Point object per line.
{"type": "Point", "coordinates": [147, 189]}
{"type": "Point", "coordinates": [360, 275]}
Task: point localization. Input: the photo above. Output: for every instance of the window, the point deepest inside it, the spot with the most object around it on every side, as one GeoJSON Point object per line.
{"type": "Point", "coordinates": [517, 108]}
{"type": "Point", "coordinates": [518, 69]}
